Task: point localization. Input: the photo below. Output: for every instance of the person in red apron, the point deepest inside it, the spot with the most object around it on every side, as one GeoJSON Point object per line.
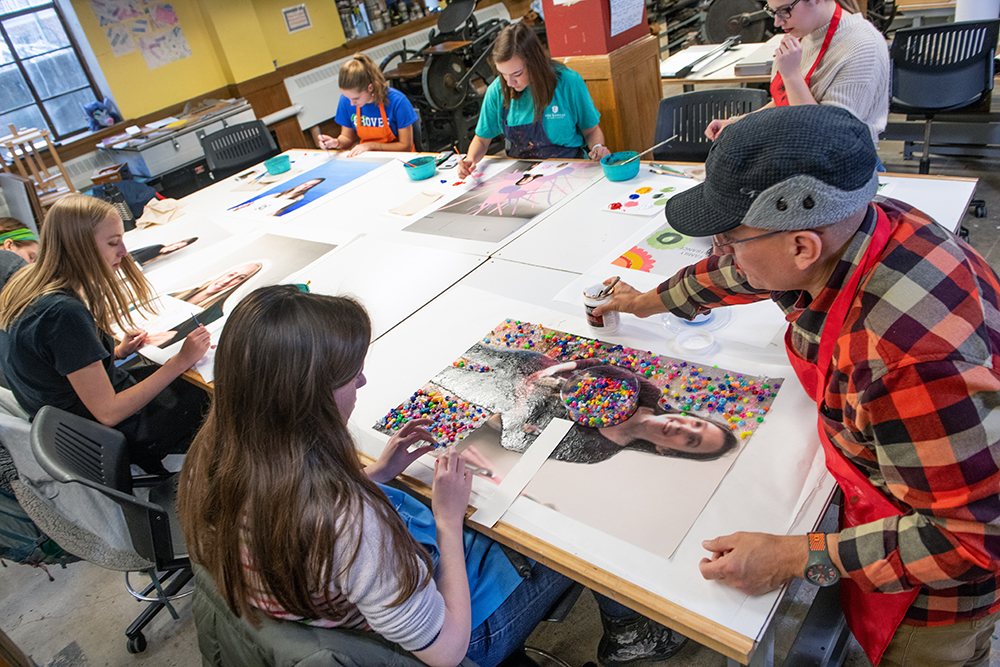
{"type": "Point", "coordinates": [372, 116]}
{"type": "Point", "coordinates": [811, 67]}
{"type": "Point", "coordinates": [542, 108]}
{"type": "Point", "coordinates": [895, 333]}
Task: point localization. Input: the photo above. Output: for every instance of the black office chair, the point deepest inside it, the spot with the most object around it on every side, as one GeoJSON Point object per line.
{"type": "Point", "coordinates": [234, 148]}
{"type": "Point", "coordinates": [74, 450]}
{"type": "Point", "coordinates": [687, 115]}
{"type": "Point", "coordinates": [940, 69]}
{"type": "Point", "coordinates": [226, 640]}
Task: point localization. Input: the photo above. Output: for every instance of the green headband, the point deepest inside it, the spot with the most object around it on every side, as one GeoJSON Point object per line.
{"type": "Point", "coordinates": [23, 234]}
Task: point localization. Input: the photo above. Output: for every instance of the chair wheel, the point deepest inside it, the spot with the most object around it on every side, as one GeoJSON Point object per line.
{"type": "Point", "coordinates": [136, 644]}
{"type": "Point", "coordinates": [981, 211]}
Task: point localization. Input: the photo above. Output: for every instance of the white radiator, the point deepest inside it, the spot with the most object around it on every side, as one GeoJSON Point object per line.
{"type": "Point", "coordinates": [317, 90]}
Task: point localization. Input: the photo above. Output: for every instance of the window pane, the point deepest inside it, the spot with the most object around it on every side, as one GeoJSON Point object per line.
{"type": "Point", "coordinates": [17, 5]}
{"type": "Point", "coordinates": [67, 112]}
{"type": "Point", "coordinates": [5, 54]}
{"type": "Point", "coordinates": [22, 118]}
{"type": "Point", "coordinates": [15, 90]}
{"type": "Point", "coordinates": [37, 33]}
{"type": "Point", "coordinates": [55, 73]}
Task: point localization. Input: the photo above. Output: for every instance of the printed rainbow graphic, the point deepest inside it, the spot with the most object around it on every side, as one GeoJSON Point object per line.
{"type": "Point", "coordinates": [637, 259]}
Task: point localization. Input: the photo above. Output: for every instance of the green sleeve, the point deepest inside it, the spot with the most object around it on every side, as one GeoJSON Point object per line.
{"type": "Point", "coordinates": [490, 123]}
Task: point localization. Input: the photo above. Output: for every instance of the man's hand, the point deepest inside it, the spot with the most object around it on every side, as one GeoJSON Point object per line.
{"type": "Point", "coordinates": [788, 57]}
{"type": "Point", "coordinates": [755, 563]}
{"type": "Point", "coordinates": [717, 125]}
{"type": "Point", "coordinates": [627, 299]}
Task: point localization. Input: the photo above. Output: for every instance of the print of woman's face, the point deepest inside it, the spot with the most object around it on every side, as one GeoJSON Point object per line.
{"type": "Point", "coordinates": [179, 245]}
{"type": "Point", "coordinates": [303, 188]}
{"type": "Point", "coordinates": [232, 278]}
{"type": "Point", "coordinates": [675, 432]}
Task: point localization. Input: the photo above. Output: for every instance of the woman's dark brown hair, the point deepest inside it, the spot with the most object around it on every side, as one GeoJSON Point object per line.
{"type": "Point", "coordinates": [274, 471]}
{"type": "Point", "coordinates": [520, 40]}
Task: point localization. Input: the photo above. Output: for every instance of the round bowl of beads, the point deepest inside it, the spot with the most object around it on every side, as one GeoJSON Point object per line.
{"type": "Point", "coordinates": [600, 396]}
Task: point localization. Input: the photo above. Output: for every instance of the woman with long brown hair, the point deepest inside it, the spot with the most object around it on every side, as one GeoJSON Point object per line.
{"type": "Point", "coordinates": [343, 549]}
{"type": "Point", "coordinates": [542, 108]}
{"type": "Point", "coordinates": [56, 347]}
{"type": "Point", "coordinates": [372, 116]}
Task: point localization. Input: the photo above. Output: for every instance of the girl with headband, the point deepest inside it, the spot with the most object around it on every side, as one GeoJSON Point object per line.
{"type": "Point", "coordinates": [20, 245]}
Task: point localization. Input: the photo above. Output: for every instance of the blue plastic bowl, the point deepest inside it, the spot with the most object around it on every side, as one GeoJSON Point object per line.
{"type": "Point", "coordinates": [620, 172]}
{"type": "Point", "coordinates": [278, 165]}
{"type": "Point", "coordinates": [423, 167]}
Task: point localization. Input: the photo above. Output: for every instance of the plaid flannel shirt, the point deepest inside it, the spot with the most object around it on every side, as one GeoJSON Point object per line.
{"type": "Point", "coordinates": [913, 402]}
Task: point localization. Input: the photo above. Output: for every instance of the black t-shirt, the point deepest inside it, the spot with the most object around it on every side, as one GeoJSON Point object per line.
{"type": "Point", "coordinates": [56, 335]}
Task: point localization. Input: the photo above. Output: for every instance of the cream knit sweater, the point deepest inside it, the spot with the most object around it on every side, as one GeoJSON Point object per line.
{"type": "Point", "coordinates": [854, 72]}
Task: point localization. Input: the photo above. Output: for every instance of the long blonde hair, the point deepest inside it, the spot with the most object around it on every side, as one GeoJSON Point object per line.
{"type": "Point", "coordinates": [68, 260]}
{"type": "Point", "coordinates": [360, 72]}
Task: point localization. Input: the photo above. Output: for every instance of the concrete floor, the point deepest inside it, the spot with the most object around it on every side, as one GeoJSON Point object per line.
{"type": "Point", "coordinates": [79, 620]}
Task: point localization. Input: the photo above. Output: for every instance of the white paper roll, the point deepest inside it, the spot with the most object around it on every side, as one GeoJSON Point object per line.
{"type": "Point", "coordinates": [976, 10]}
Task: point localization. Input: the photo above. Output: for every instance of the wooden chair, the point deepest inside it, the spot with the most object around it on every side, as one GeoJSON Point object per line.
{"type": "Point", "coordinates": [27, 157]}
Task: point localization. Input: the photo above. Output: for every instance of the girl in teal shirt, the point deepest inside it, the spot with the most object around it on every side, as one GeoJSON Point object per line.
{"type": "Point", "coordinates": [542, 108]}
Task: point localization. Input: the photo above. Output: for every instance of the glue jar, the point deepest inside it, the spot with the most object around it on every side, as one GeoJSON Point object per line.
{"type": "Point", "coordinates": [608, 323]}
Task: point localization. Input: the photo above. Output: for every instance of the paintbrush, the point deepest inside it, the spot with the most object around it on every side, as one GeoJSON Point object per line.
{"type": "Point", "coordinates": [607, 288]}
{"type": "Point", "coordinates": [669, 171]}
{"type": "Point", "coordinates": [408, 164]}
{"type": "Point", "coordinates": [636, 157]}
{"type": "Point", "coordinates": [471, 178]}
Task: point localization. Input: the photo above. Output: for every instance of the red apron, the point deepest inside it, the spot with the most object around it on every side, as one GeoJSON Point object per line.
{"type": "Point", "coordinates": [382, 135]}
{"type": "Point", "coordinates": [778, 94]}
{"type": "Point", "coordinates": [872, 617]}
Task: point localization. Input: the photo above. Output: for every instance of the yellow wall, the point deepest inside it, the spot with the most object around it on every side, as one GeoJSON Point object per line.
{"type": "Point", "coordinates": [326, 32]}
{"type": "Point", "coordinates": [140, 90]}
{"type": "Point", "coordinates": [231, 41]}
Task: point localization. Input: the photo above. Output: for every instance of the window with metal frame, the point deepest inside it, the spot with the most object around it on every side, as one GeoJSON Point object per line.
{"type": "Point", "coordinates": [44, 80]}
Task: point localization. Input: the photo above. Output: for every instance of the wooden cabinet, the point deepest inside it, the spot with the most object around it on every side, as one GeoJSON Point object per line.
{"type": "Point", "coordinates": [625, 86]}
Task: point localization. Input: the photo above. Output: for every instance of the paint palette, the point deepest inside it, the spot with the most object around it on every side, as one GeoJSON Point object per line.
{"type": "Point", "coordinates": [650, 195]}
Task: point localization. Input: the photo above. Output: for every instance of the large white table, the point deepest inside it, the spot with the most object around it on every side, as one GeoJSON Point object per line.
{"type": "Point", "coordinates": [435, 296]}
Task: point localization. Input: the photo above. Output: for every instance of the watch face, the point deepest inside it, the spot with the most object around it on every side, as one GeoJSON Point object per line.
{"type": "Point", "coordinates": [822, 574]}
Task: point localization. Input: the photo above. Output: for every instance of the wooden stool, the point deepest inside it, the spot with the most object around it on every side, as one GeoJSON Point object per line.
{"type": "Point", "coordinates": [30, 164]}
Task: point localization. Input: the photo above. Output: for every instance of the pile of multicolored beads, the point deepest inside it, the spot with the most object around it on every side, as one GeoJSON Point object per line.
{"type": "Point", "coordinates": [734, 396]}
{"type": "Point", "coordinates": [598, 402]}
{"type": "Point", "coordinates": [453, 418]}
{"type": "Point", "coordinates": [514, 333]}
{"type": "Point", "coordinates": [470, 365]}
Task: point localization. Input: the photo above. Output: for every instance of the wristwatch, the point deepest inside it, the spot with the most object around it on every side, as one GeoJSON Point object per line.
{"type": "Point", "coordinates": [820, 569]}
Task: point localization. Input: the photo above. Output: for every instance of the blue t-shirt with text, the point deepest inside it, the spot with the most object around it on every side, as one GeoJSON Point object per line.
{"type": "Point", "coordinates": [398, 111]}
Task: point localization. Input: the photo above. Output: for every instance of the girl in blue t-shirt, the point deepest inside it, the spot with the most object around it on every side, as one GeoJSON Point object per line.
{"type": "Point", "coordinates": [372, 116]}
{"type": "Point", "coordinates": [542, 108]}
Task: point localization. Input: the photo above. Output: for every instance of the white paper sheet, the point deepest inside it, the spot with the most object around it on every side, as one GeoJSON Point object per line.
{"type": "Point", "coordinates": [625, 14]}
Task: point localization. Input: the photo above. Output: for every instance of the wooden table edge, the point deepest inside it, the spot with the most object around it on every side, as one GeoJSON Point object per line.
{"type": "Point", "coordinates": [702, 630]}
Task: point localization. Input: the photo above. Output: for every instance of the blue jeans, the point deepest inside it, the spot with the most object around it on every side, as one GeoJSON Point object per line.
{"type": "Point", "coordinates": [879, 167]}
{"type": "Point", "coordinates": [509, 626]}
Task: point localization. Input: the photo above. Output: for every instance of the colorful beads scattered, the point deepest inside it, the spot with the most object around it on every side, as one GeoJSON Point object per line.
{"type": "Point", "coordinates": [600, 401]}
{"type": "Point", "coordinates": [740, 401]}
{"type": "Point", "coordinates": [453, 418]}
{"type": "Point", "coordinates": [470, 365]}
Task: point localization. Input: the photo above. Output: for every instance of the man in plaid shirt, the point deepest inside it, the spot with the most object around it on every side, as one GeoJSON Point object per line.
{"type": "Point", "coordinates": [895, 332]}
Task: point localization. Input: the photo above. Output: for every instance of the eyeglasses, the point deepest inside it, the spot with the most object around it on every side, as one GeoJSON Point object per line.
{"type": "Point", "coordinates": [784, 13]}
{"type": "Point", "coordinates": [719, 246]}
